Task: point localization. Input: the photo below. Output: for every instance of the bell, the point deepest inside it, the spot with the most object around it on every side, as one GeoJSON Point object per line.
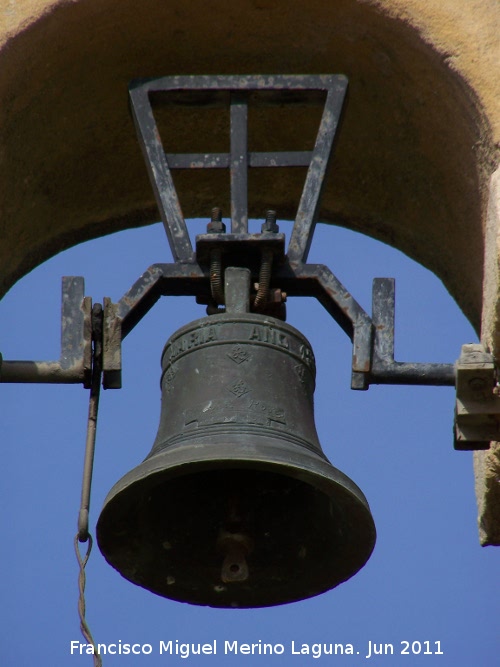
{"type": "Point", "coordinates": [236, 505]}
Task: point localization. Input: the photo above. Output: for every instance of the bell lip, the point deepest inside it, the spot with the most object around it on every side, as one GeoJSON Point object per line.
{"type": "Point", "coordinates": [203, 456]}
{"type": "Point", "coordinates": [267, 455]}
{"type": "Point", "coordinates": [303, 465]}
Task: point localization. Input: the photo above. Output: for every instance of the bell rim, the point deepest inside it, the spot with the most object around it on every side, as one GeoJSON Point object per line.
{"type": "Point", "coordinates": [303, 465]}
{"type": "Point", "coordinates": [203, 456]}
{"type": "Point", "coordinates": [300, 464]}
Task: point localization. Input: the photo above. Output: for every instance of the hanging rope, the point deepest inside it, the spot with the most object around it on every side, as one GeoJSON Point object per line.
{"type": "Point", "coordinates": [83, 534]}
{"type": "Point", "coordinates": [81, 598]}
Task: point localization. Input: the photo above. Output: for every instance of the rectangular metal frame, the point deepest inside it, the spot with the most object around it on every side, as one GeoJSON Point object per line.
{"type": "Point", "coordinates": [236, 91]}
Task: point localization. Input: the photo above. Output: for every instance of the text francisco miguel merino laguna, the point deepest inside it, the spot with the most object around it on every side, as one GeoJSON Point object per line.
{"type": "Point", "coordinates": [233, 647]}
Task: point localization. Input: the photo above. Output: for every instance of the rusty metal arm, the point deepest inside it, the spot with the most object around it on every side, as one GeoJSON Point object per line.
{"type": "Point", "coordinates": [308, 211]}
{"type": "Point", "coordinates": [160, 175]}
{"type": "Point", "coordinates": [318, 280]}
{"type": "Point", "coordinates": [75, 363]}
{"type": "Point", "coordinates": [350, 316]}
{"type": "Point", "coordinates": [372, 337]}
{"type": "Point", "coordinates": [120, 318]}
{"type": "Point", "coordinates": [385, 370]}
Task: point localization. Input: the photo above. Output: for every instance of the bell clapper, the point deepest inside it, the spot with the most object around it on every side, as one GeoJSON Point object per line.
{"type": "Point", "coordinates": [235, 545]}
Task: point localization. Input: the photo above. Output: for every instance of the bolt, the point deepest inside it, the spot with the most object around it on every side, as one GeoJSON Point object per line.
{"type": "Point", "coordinates": [277, 296]}
{"type": "Point", "coordinates": [270, 223]}
{"type": "Point", "coordinates": [216, 226]}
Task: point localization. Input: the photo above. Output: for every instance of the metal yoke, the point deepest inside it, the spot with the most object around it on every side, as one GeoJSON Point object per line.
{"type": "Point", "coordinates": [190, 275]}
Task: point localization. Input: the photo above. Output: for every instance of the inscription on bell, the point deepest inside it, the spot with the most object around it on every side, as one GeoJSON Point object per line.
{"type": "Point", "coordinates": [272, 413]}
{"type": "Point", "coordinates": [191, 340]}
{"type": "Point", "coordinates": [268, 334]}
{"type": "Point", "coordinates": [248, 411]}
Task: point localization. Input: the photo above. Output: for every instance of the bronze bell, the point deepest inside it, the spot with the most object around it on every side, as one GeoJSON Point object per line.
{"type": "Point", "coordinates": [236, 505]}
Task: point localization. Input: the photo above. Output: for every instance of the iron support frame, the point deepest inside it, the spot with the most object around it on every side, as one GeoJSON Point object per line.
{"type": "Point", "coordinates": [189, 275]}
{"type": "Point", "coordinates": [372, 337]}
{"type": "Point", "coordinates": [238, 92]}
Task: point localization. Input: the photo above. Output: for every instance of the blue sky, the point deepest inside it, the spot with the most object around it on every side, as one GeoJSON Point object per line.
{"type": "Point", "coordinates": [428, 579]}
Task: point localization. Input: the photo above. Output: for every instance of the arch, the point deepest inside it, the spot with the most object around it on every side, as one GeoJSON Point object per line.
{"type": "Point", "coordinates": [412, 161]}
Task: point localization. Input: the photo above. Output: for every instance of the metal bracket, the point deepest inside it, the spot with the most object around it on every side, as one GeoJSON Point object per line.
{"type": "Point", "coordinates": [247, 248]}
{"type": "Point", "coordinates": [75, 363]}
{"type": "Point", "coordinates": [372, 337]}
{"type": "Point", "coordinates": [385, 370]}
{"type": "Point", "coordinates": [477, 411]}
